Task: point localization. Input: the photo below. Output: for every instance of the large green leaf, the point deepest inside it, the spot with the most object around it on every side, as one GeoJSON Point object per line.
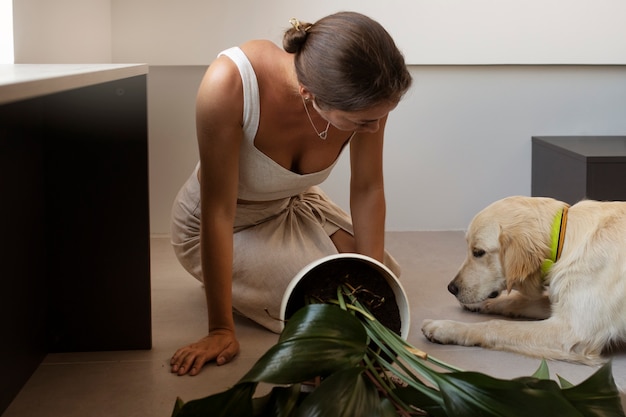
{"type": "Point", "coordinates": [317, 341]}
{"type": "Point", "coordinates": [343, 394]}
{"type": "Point", "coordinates": [291, 362]}
{"type": "Point", "coordinates": [323, 320]}
{"type": "Point", "coordinates": [475, 394]}
{"type": "Point", "coordinates": [597, 396]}
{"type": "Point", "coordinates": [280, 402]}
{"type": "Point", "coordinates": [416, 398]}
{"type": "Point", "coordinates": [235, 402]}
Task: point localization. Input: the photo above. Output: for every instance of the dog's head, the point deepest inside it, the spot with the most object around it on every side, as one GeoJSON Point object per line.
{"type": "Point", "coordinates": [506, 245]}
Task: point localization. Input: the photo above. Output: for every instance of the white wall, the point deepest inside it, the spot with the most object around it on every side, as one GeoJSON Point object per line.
{"type": "Point", "coordinates": [172, 128]}
{"type": "Point", "coordinates": [62, 31]}
{"type": "Point", "coordinates": [458, 141]}
{"type": "Point", "coordinates": [191, 32]}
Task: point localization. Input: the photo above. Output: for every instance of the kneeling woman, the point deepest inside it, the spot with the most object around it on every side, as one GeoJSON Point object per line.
{"type": "Point", "coordinates": [271, 124]}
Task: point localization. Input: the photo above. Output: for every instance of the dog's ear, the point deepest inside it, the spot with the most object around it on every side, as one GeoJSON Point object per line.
{"type": "Point", "coordinates": [521, 256]}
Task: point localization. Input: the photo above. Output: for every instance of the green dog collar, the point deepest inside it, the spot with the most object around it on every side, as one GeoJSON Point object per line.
{"type": "Point", "coordinates": [556, 241]}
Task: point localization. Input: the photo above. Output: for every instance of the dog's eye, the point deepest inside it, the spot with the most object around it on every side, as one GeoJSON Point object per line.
{"type": "Point", "coordinates": [478, 253]}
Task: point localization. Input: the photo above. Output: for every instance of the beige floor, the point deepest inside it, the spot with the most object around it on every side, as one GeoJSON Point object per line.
{"type": "Point", "coordinates": [138, 383]}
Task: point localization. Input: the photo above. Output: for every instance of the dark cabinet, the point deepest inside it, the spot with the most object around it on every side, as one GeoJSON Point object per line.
{"type": "Point", "coordinates": [74, 216]}
{"type": "Point", "coordinates": [572, 168]}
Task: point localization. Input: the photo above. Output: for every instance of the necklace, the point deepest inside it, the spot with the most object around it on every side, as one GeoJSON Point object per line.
{"type": "Point", "coordinates": [324, 133]}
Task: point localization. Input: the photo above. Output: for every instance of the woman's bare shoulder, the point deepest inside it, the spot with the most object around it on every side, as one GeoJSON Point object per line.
{"type": "Point", "coordinates": [223, 80]}
{"type": "Point", "coordinates": [220, 94]}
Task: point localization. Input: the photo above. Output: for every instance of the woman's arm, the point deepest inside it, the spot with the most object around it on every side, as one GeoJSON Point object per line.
{"type": "Point", "coordinates": [367, 192]}
{"type": "Point", "coordinates": [219, 109]}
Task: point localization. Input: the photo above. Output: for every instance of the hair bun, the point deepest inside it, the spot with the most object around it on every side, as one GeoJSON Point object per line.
{"type": "Point", "coordinates": [296, 35]}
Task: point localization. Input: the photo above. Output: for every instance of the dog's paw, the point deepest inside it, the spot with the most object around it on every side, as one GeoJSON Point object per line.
{"type": "Point", "coordinates": [450, 332]}
{"type": "Point", "coordinates": [439, 331]}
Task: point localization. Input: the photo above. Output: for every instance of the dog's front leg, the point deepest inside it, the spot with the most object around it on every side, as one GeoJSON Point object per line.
{"type": "Point", "coordinates": [548, 339]}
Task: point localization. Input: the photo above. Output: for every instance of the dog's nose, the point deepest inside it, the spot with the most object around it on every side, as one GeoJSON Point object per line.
{"type": "Point", "coordinates": [454, 290]}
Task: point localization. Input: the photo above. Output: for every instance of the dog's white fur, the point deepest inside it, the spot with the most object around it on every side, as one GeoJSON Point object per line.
{"type": "Point", "coordinates": [580, 304]}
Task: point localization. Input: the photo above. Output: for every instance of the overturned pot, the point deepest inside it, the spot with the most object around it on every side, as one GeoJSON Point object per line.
{"type": "Point", "coordinates": [375, 285]}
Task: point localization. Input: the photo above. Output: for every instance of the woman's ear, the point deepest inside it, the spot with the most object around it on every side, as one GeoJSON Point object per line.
{"type": "Point", "coordinates": [521, 258]}
{"type": "Point", "coordinates": [305, 93]}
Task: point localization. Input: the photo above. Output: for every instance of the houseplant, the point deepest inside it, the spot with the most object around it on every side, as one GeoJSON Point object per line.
{"type": "Point", "coordinates": [342, 348]}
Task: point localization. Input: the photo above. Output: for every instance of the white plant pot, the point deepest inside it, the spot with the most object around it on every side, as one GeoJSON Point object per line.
{"type": "Point", "coordinates": [344, 261]}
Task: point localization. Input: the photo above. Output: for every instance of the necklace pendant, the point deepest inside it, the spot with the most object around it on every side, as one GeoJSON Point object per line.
{"type": "Point", "coordinates": [323, 134]}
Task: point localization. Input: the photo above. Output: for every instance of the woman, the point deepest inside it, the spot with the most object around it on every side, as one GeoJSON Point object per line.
{"type": "Point", "coordinates": [271, 124]}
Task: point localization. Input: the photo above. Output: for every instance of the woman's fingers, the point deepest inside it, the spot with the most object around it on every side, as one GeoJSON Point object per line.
{"type": "Point", "coordinates": [219, 346]}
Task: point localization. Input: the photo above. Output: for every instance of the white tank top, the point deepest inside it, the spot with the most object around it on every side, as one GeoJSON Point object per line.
{"type": "Point", "coordinates": [260, 177]}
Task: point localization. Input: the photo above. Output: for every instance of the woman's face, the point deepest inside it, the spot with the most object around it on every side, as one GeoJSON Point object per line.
{"type": "Point", "coordinates": [365, 121]}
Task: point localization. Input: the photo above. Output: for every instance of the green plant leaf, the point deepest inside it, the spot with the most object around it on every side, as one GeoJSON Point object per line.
{"type": "Point", "coordinates": [280, 402]}
{"type": "Point", "coordinates": [387, 409]}
{"type": "Point", "coordinates": [542, 372]}
{"type": "Point", "coordinates": [234, 402]}
{"type": "Point", "coordinates": [318, 340]}
{"type": "Point", "coordinates": [476, 394]}
{"type": "Point", "coordinates": [598, 395]}
{"type": "Point", "coordinates": [416, 398]}
{"type": "Point", "coordinates": [343, 394]}
{"type": "Point", "coordinates": [177, 406]}
{"type": "Point", "coordinates": [565, 383]}
{"type": "Point", "coordinates": [323, 320]}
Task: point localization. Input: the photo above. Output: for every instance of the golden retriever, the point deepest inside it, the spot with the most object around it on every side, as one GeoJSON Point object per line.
{"type": "Point", "coordinates": [579, 299]}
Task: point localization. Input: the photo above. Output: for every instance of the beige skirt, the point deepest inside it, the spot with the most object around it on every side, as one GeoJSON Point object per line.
{"type": "Point", "coordinates": [272, 242]}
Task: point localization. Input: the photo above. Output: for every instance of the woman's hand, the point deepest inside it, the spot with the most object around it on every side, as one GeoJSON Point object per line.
{"type": "Point", "coordinates": [220, 345]}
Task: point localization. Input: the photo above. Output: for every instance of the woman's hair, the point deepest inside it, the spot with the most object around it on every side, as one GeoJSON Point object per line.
{"type": "Point", "coordinates": [348, 61]}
